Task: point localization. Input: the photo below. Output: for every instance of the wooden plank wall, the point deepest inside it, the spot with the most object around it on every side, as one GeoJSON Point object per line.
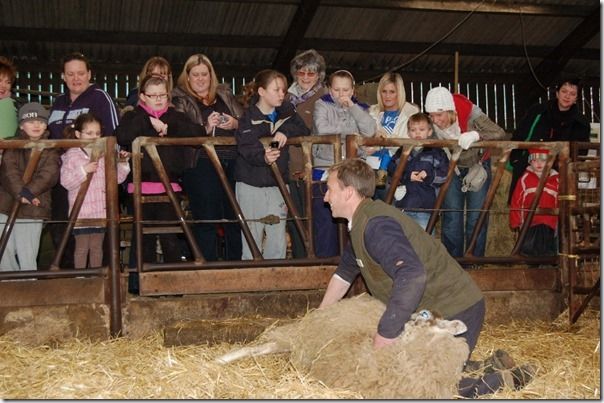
{"type": "Point", "coordinates": [497, 100]}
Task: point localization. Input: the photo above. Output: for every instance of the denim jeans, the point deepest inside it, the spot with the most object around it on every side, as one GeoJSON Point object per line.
{"type": "Point", "coordinates": [419, 217]}
{"type": "Point", "coordinates": [456, 235]}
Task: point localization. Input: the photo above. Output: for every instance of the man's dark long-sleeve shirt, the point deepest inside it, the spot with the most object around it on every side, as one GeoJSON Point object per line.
{"type": "Point", "coordinates": [388, 245]}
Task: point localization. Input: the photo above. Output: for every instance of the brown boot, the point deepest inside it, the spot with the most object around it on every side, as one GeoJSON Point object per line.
{"type": "Point", "coordinates": [519, 377]}
{"type": "Point", "coordinates": [497, 361]}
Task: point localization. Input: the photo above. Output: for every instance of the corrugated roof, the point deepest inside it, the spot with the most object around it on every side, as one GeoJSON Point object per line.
{"type": "Point", "coordinates": [367, 37]}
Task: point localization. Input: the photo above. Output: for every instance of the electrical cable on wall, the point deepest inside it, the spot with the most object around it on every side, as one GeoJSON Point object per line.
{"type": "Point", "coordinates": [528, 60]}
{"type": "Point", "coordinates": [423, 52]}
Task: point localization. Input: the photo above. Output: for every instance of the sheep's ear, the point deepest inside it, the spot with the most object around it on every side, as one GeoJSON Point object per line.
{"type": "Point", "coordinates": [455, 327]}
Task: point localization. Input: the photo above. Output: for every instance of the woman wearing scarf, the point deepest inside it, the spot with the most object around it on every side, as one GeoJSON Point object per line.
{"type": "Point", "coordinates": [154, 116]}
{"type": "Point", "coordinates": [308, 72]}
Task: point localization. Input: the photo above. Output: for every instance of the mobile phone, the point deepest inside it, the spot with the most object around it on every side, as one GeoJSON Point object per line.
{"type": "Point", "coordinates": [274, 144]}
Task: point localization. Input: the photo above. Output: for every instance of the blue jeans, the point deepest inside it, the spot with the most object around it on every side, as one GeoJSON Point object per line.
{"type": "Point", "coordinates": [454, 234]}
{"type": "Point", "coordinates": [420, 218]}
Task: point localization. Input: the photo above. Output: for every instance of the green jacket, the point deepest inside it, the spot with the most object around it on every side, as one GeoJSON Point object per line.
{"type": "Point", "coordinates": [449, 289]}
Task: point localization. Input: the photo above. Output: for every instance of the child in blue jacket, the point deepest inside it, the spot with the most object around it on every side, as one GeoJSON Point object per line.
{"type": "Point", "coordinates": [426, 170]}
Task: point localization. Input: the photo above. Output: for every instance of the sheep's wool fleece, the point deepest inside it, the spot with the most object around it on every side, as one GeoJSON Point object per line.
{"type": "Point", "coordinates": [335, 345]}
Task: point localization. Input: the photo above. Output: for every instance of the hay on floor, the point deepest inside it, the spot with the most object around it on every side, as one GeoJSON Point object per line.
{"type": "Point", "coordinates": [567, 357]}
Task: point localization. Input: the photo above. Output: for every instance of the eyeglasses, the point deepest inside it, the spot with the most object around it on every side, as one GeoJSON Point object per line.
{"type": "Point", "coordinates": [157, 97]}
{"type": "Point", "coordinates": [309, 74]}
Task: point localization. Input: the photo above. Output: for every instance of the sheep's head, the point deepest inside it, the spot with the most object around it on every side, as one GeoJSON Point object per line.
{"type": "Point", "coordinates": [425, 319]}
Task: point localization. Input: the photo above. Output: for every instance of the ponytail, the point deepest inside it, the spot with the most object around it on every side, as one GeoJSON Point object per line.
{"type": "Point", "coordinates": [262, 80]}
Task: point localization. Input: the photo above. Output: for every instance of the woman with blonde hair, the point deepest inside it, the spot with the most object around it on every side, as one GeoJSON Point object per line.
{"type": "Point", "coordinates": [392, 111]}
{"type": "Point", "coordinates": [214, 107]}
{"type": "Point", "coordinates": [391, 114]}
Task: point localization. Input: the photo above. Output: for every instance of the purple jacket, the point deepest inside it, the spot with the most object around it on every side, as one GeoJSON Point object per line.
{"type": "Point", "coordinates": [94, 100]}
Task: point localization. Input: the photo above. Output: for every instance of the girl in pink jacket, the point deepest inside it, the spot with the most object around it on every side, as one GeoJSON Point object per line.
{"type": "Point", "coordinates": [75, 168]}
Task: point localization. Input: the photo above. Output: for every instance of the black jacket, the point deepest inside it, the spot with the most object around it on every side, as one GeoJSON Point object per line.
{"type": "Point", "coordinates": [137, 123]}
{"type": "Point", "coordinates": [253, 125]}
{"type": "Point", "coordinates": [553, 125]}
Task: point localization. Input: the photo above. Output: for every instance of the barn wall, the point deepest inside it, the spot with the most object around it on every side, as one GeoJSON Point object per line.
{"type": "Point", "coordinates": [497, 99]}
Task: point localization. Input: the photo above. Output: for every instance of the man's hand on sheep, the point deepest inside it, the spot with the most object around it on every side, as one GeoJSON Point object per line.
{"type": "Point", "coordinates": [381, 341]}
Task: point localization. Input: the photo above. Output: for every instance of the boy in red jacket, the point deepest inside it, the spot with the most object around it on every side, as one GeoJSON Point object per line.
{"type": "Point", "coordinates": [541, 238]}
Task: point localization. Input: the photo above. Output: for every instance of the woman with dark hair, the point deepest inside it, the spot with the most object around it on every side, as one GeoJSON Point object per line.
{"type": "Point", "coordinates": [154, 116]}
{"type": "Point", "coordinates": [558, 119]}
{"type": "Point", "coordinates": [268, 115]}
{"type": "Point", "coordinates": [81, 97]}
{"type": "Point", "coordinates": [154, 66]}
{"type": "Point", "coordinates": [8, 106]}
{"type": "Point", "coordinates": [213, 107]}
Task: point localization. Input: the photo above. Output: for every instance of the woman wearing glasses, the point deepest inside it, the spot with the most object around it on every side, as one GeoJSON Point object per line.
{"type": "Point", "coordinates": [213, 107]}
{"type": "Point", "coordinates": [155, 117]}
{"type": "Point", "coordinates": [308, 73]}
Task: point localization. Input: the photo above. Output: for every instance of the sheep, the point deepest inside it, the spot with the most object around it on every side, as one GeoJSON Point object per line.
{"type": "Point", "coordinates": [335, 346]}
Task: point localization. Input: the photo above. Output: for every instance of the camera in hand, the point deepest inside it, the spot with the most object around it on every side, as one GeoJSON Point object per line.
{"type": "Point", "coordinates": [222, 119]}
{"type": "Point", "coordinates": [274, 144]}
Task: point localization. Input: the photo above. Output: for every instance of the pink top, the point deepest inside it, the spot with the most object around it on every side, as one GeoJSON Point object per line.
{"type": "Point", "coordinates": [73, 175]}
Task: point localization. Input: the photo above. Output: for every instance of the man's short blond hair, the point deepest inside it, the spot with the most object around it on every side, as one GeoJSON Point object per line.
{"type": "Point", "coordinates": [356, 173]}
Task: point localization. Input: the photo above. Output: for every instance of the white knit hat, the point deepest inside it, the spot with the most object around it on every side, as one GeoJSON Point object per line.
{"type": "Point", "coordinates": [439, 99]}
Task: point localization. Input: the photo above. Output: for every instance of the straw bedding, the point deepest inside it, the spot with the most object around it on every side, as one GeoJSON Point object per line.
{"type": "Point", "coordinates": [335, 346]}
{"type": "Point", "coordinates": [567, 357]}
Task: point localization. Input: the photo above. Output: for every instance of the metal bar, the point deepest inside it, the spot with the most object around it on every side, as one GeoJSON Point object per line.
{"type": "Point", "coordinates": [245, 229]}
{"type": "Point", "coordinates": [308, 182]}
{"type": "Point", "coordinates": [443, 192]}
{"type": "Point", "coordinates": [113, 217]}
{"type": "Point", "coordinates": [489, 201]}
{"type": "Point", "coordinates": [77, 205]}
{"type": "Point", "coordinates": [289, 202]}
{"type": "Point", "coordinates": [136, 158]}
{"type": "Point", "coordinates": [533, 207]}
{"type": "Point", "coordinates": [163, 176]}
{"type": "Point", "coordinates": [95, 272]}
{"type": "Point", "coordinates": [177, 266]}
{"type": "Point", "coordinates": [32, 164]}
{"type": "Point", "coordinates": [592, 293]}
{"type": "Point", "coordinates": [398, 173]}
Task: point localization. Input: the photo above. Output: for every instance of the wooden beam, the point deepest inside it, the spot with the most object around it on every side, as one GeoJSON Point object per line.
{"type": "Point", "coordinates": [234, 280]}
{"type": "Point", "coordinates": [478, 6]}
{"type": "Point", "coordinates": [11, 33]}
{"type": "Point", "coordinates": [286, 49]}
{"type": "Point", "coordinates": [488, 6]}
{"type": "Point", "coordinates": [295, 34]}
{"type": "Point", "coordinates": [553, 64]}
